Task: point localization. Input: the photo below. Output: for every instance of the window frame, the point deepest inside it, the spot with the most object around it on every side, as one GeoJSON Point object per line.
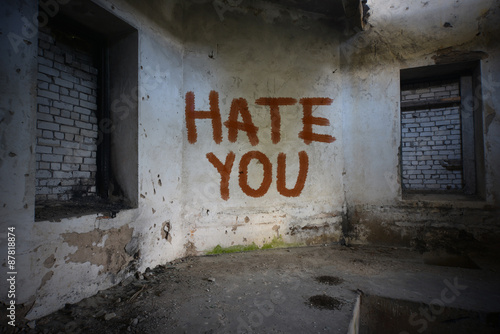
{"type": "Point", "coordinates": [469, 74]}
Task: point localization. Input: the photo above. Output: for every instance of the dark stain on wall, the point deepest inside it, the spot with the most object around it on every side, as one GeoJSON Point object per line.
{"type": "Point", "coordinates": [450, 55]}
{"type": "Point", "coordinates": [165, 231]}
{"type": "Point", "coordinates": [49, 262]}
{"type": "Point", "coordinates": [46, 278]}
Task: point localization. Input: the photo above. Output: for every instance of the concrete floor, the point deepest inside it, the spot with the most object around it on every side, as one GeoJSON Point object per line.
{"type": "Point", "coordinates": [269, 291]}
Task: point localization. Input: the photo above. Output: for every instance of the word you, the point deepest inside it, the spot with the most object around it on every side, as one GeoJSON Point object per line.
{"type": "Point", "coordinates": [239, 107]}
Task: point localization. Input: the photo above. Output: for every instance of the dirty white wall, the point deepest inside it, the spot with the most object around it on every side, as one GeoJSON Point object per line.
{"type": "Point", "coordinates": [194, 48]}
{"type": "Point", "coordinates": [273, 54]}
{"type": "Point", "coordinates": [403, 35]}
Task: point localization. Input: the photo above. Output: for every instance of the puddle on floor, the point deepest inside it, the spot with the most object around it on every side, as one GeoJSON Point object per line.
{"type": "Point", "coordinates": [330, 280]}
{"type": "Point", "coordinates": [449, 260]}
{"type": "Point", "coordinates": [374, 314]}
{"type": "Point", "coordinates": [324, 302]}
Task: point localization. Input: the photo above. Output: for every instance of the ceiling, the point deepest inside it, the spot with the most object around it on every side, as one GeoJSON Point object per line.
{"type": "Point", "coordinates": [350, 12]}
{"type": "Point", "coordinates": [330, 8]}
{"type": "Point", "coordinates": [353, 11]}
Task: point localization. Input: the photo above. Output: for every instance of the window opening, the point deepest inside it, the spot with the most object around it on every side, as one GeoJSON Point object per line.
{"type": "Point", "coordinates": [441, 130]}
{"type": "Point", "coordinates": [80, 159]}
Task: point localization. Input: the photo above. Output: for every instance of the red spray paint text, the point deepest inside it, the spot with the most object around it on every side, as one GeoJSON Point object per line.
{"type": "Point", "coordinates": [239, 107]}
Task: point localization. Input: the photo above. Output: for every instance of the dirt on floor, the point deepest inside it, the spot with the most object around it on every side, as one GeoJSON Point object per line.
{"type": "Point", "coordinates": [297, 290]}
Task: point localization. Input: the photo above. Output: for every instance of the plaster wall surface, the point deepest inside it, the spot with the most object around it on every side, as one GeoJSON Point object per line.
{"type": "Point", "coordinates": [247, 57]}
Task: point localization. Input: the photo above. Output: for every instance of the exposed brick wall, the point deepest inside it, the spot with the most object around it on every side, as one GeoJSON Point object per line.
{"type": "Point", "coordinates": [431, 139]}
{"type": "Point", "coordinates": [67, 128]}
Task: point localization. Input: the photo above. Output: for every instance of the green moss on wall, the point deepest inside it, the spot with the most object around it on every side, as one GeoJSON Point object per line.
{"type": "Point", "coordinates": [233, 249]}
{"type": "Point", "coordinates": [277, 242]}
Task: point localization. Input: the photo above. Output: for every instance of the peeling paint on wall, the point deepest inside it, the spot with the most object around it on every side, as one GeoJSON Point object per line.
{"type": "Point", "coordinates": [46, 278]}
{"type": "Point", "coordinates": [190, 249]}
{"type": "Point", "coordinates": [49, 262]}
{"type": "Point", "coordinates": [101, 247]}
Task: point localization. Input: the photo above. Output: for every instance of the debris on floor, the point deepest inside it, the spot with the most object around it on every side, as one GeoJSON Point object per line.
{"type": "Point", "coordinates": [295, 290]}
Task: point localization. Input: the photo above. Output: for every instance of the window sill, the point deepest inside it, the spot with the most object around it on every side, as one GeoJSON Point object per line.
{"type": "Point", "coordinates": [444, 199]}
{"type": "Point", "coordinates": [54, 211]}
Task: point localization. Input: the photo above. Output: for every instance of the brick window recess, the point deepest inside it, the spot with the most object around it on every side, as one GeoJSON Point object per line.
{"type": "Point", "coordinates": [431, 136]}
{"type": "Point", "coordinates": [67, 124]}
{"type": "Point", "coordinates": [81, 170]}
